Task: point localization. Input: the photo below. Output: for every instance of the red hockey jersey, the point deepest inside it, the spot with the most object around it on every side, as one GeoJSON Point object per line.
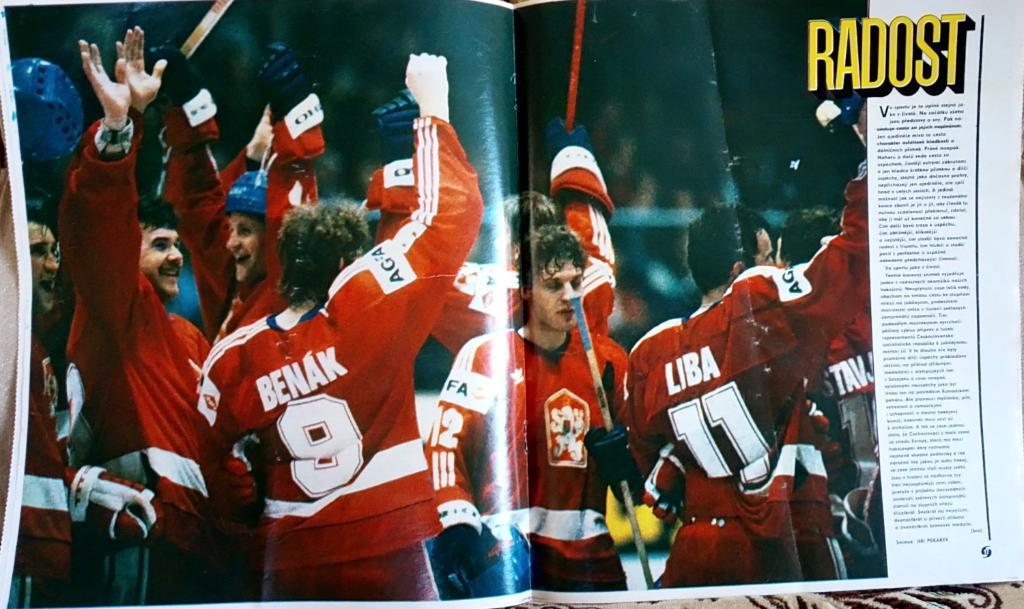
{"type": "Point", "coordinates": [726, 386]}
{"type": "Point", "coordinates": [851, 363]}
{"type": "Point", "coordinates": [44, 536]}
{"type": "Point", "coordinates": [507, 449]}
{"type": "Point", "coordinates": [486, 297]}
{"type": "Point", "coordinates": [198, 193]}
{"type": "Point", "coordinates": [133, 367]}
{"type": "Point", "coordinates": [329, 397]}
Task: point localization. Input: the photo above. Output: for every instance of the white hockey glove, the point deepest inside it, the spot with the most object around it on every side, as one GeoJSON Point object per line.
{"type": "Point", "coordinates": [426, 76]}
{"type": "Point", "coordinates": [124, 510]}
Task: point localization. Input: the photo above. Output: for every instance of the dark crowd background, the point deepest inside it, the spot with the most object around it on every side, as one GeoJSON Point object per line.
{"type": "Point", "coordinates": [688, 103]}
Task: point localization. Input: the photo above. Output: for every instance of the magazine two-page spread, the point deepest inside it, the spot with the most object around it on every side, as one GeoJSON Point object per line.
{"type": "Point", "coordinates": [451, 301]}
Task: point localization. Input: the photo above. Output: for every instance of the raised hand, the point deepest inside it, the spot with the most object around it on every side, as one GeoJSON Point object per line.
{"type": "Point", "coordinates": [262, 138]}
{"type": "Point", "coordinates": [426, 76]}
{"type": "Point", "coordinates": [144, 86]}
{"type": "Point", "coordinates": [114, 95]}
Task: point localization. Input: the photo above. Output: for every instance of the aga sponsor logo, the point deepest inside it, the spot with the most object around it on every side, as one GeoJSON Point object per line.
{"type": "Point", "coordinates": [567, 419]}
{"type": "Point", "coordinates": [390, 267]}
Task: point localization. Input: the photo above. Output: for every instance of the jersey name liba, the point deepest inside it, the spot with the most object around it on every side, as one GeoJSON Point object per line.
{"type": "Point", "coordinates": [297, 379]}
{"type": "Point", "coordinates": [690, 369]}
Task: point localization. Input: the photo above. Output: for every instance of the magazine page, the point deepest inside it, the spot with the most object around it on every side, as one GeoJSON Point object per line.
{"type": "Point", "coordinates": [258, 236]}
{"type": "Point", "coordinates": [823, 373]}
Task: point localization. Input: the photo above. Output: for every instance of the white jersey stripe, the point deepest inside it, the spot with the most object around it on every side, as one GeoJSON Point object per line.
{"type": "Point", "coordinates": [236, 338]}
{"type": "Point", "coordinates": [656, 330]}
{"type": "Point", "coordinates": [386, 466]}
{"type": "Point", "coordinates": [180, 470]}
{"type": "Point", "coordinates": [44, 493]}
{"type": "Point", "coordinates": [563, 525]}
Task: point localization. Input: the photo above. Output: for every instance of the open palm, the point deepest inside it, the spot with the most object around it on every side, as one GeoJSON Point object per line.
{"type": "Point", "coordinates": [144, 86]}
{"type": "Point", "coordinates": [114, 95]}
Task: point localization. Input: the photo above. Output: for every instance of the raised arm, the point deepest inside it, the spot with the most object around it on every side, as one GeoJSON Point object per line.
{"type": "Point", "coordinates": [295, 120]}
{"type": "Point", "coordinates": [99, 229]}
{"type": "Point", "coordinates": [821, 297]}
{"type": "Point", "coordinates": [431, 243]}
{"type": "Point", "coordinates": [578, 185]}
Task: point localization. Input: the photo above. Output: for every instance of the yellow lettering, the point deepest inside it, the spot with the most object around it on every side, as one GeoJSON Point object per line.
{"type": "Point", "coordinates": [819, 31]}
{"type": "Point", "coordinates": [929, 62]}
{"type": "Point", "coordinates": [849, 55]}
{"type": "Point", "coordinates": [953, 22]}
{"type": "Point", "coordinates": [873, 47]}
{"type": "Point", "coordinates": [901, 57]}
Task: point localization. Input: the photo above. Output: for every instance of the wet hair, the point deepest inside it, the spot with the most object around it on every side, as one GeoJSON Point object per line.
{"type": "Point", "coordinates": [156, 213]}
{"type": "Point", "coordinates": [548, 249]}
{"type": "Point", "coordinates": [528, 211]}
{"type": "Point", "coordinates": [313, 243]}
{"type": "Point", "coordinates": [804, 230]}
{"type": "Point", "coordinates": [714, 246]}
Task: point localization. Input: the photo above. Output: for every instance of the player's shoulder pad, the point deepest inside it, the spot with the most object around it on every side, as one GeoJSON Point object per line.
{"type": "Point", "coordinates": [790, 283]}
{"type": "Point", "coordinates": [663, 327]}
{"type": "Point", "coordinates": [472, 383]}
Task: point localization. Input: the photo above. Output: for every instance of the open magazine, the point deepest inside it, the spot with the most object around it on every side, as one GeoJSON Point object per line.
{"type": "Point", "coordinates": [460, 301]}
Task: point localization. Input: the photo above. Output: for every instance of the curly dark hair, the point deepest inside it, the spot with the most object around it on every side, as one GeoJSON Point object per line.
{"type": "Point", "coordinates": [314, 243]}
{"type": "Point", "coordinates": [528, 211]}
{"type": "Point", "coordinates": [548, 248]}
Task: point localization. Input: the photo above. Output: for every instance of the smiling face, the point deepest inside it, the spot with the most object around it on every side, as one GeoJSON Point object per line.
{"type": "Point", "coordinates": [160, 260]}
{"type": "Point", "coordinates": [45, 255]}
{"type": "Point", "coordinates": [549, 299]}
{"type": "Point", "coordinates": [245, 243]}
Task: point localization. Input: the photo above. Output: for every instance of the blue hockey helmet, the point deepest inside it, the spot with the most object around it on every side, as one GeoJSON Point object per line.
{"type": "Point", "coordinates": [248, 195]}
{"type": "Point", "coordinates": [850, 109]}
{"type": "Point", "coordinates": [49, 109]}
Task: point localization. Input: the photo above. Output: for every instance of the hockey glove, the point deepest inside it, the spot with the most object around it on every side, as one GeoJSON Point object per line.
{"type": "Point", "coordinates": [556, 138]}
{"type": "Point", "coordinates": [665, 487]}
{"type": "Point", "coordinates": [180, 82]}
{"type": "Point", "coordinates": [283, 81]}
{"type": "Point", "coordinates": [427, 78]}
{"type": "Point", "coordinates": [460, 554]}
{"type": "Point", "coordinates": [394, 123]}
{"type": "Point", "coordinates": [123, 510]}
{"type": "Point", "coordinates": [610, 449]}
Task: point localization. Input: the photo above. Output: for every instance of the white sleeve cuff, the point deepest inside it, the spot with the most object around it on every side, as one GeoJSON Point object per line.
{"type": "Point", "coordinates": [459, 511]}
{"type": "Point", "coordinates": [200, 108]}
{"type": "Point", "coordinates": [307, 114]}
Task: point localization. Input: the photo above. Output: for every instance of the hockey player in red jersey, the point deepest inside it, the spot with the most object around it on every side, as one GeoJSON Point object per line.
{"type": "Point", "coordinates": [725, 389]}
{"type": "Point", "coordinates": [508, 447]}
{"type": "Point", "coordinates": [325, 390]}
{"type": "Point", "coordinates": [42, 562]}
{"type": "Point", "coordinates": [230, 220]}
{"type": "Point", "coordinates": [133, 366]}
{"type": "Point", "coordinates": [485, 297]}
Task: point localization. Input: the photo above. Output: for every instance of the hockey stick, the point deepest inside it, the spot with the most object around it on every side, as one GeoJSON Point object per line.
{"type": "Point", "coordinates": [202, 30]}
{"type": "Point", "coordinates": [574, 65]}
{"type": "Point", "coordinates": [606, 416]}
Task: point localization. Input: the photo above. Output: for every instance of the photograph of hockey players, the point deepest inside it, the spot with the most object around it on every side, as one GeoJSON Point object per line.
{"type": "Point", "coordinates": [513, 414]}
{"type": "Point", "coordinates": [202, 201]}
{"type": "Point", "coordinates": [739, 233]}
